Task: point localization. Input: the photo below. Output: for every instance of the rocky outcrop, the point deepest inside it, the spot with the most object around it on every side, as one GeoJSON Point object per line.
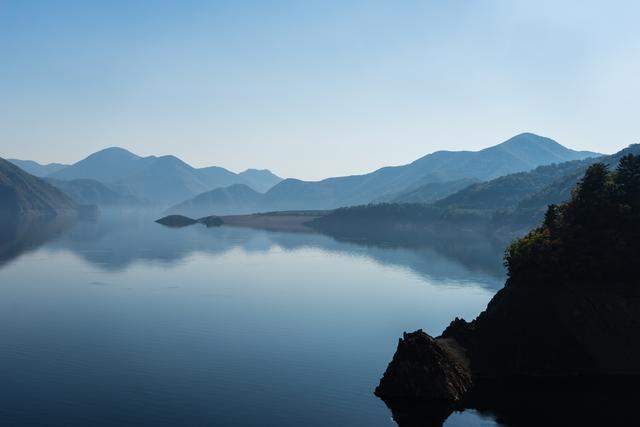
{"type": "Point", "coordinates": [176, 221]}
{"type": "Point", "coordinates": [570, 335]}
{"type": "Point", "coordinates": [569, 331]}
{"type": "Point", "coordinates": [425, 368]}
{"type": "Point", "coordinates": [425, 381]}
{"type": "Point", "coordinates": [184, 221]}
{"type": "Point", "coordinates": [569, 312]}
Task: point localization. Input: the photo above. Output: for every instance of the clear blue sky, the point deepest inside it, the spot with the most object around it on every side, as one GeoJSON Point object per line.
{"type": "Point", "coordinates": [312, 89]}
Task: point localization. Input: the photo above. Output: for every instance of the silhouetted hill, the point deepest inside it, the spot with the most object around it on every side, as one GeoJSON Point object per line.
{"type": "Point", "coordinates": [427, 179]}
{"type": "Point", "coordinates": [530, 209]}
{"type": "Point", "coordinates": [163, 180]}
{"type": "Point", "coordinates": [569, 311]}
{"type": "Point", "coordinates": [167, 180]}
{"type": "Point", "coordinates": [530, 150]}
{"type": "Point", "coordinates": [520, 153]}
{"type": "Point", "coordinates": [534, 189]}
{"type": "Point", "coordinates": [431, 192]}
{"type": "Point", "coordinates": [500, 209]}
{"type": "Point", "coordinates": [220, 176]}
{"type": "Point", "coordinates": [36, 169]}
{"type": "Point", "coordinates": [260, 180]}
{"type": "Point", "coordinates": [507, 191]}
{"type": "Point", "coordinates": [24, 194]}
{"type": "Point", "coordinates": [108, 165]}
{"type": "Point", "coordinates": [92, 192]}
{"type": "Point", "coordinates": [237, 198]}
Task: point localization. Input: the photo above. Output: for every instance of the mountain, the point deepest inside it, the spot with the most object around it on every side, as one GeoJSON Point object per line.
{"type": "Point", "coordinates": [525, 196]}
{"type": "Point", "coordinates": [431, 192]}
{"type": "Point", "coordinates": [237, 198]}
{"type": "Point", "coordinates": [92, 192]}
{"type": "Point", "coordinates": [520, 153]}
{"type": "Point", "coordinates": [507, 191]}
{"type": "Point", "coordinates": [261, 180]}
{"type": "Point", "coordinates": [530, 209]}
{"type": "Point", "coordinates": [163, 180]}
{"type": "Point", "coordinates": [36, 169]}
{"type": "Point", "coordinates": [500, 209]}
{"type": "Point", "coordinates": [436, 175]}
{"type": "Point", "coordinates": [221, 176]}
{"type": "Point", "coordinates": [108, 165]}
{"type": "Point", "coordinates": [568, 315]}
{"type": "Point", "coordinates": [24, 194]}
{"type": "Point", "coordinates": [168, 180]}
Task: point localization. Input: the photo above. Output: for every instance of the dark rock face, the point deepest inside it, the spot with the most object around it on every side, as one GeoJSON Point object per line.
{"type": "Point", "coordinates": [534, 402]}
{"type": "Point", "coordinates": [426, 369]}
{"type": "Point", "coordinates": [570, 310]}
{"type": "Point", "coordinates": [566, 332]}
{"type": "Point", "coordinates": [532, 340]}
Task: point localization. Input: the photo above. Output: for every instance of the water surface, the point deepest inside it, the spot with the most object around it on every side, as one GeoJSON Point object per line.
{"type": "Point", "coordinates": [124, 322]}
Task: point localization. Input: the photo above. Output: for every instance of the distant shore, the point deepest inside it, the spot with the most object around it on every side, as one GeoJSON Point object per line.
{"type": "Point", "coordinates": [292, 221]}
{"type": "Point", "coordinates": [296, 221]}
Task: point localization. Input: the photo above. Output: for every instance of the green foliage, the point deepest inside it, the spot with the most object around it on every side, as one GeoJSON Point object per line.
{"type": "Point", "coordinates": [593, 238]}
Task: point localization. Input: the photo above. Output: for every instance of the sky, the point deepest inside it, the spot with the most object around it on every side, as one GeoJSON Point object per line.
{"type": "Point", "coordinates": [312, 89]}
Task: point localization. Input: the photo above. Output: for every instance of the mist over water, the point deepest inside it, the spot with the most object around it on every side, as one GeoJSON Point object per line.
{"type": "Point", "coordinates": [124, 322]}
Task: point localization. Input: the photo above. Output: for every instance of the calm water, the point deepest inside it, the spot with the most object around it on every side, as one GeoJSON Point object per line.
{"type": "Point", "coordinates": [125, 322]}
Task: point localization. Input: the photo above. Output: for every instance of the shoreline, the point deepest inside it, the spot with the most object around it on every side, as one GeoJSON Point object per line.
{"type": "Point", "coordinates": [280, 221]}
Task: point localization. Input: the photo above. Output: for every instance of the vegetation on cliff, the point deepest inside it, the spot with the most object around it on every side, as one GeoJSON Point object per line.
{"type": "Point", "coordinates": [589, 239]}
{"type": "Point", "coordinates": [569, 312]}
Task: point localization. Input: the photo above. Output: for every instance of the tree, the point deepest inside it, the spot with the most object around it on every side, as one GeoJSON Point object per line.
{"type": "Point", "coordinates": [591, 240]}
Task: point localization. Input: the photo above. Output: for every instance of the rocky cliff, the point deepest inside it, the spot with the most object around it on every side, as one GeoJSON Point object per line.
{"type": "Point", "coordinates": [569, 312]}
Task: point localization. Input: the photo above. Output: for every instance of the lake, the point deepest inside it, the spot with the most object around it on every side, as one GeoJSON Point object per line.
{"type": "Point", "coordinates": [121, 321]}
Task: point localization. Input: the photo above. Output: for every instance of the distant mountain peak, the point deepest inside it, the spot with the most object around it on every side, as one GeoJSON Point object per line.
{"type": "Point", "coordinates": [114, 151]}
{"type": "Point", "coordinates": [528, 138]}
{"type": "Point", "coordinates": [170, 160]}
{"type": "Point", "coordinates": [105, 165]}
{"type": "Point", "coordinates": [529, 135]}
{"type": "Point", "coordinates": [260, 179]}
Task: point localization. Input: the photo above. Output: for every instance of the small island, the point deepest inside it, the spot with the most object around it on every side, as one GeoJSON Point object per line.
{"type": "Point", "coordinates": [290, 221]}
{"type": "Point", "coordinates": [178, 221]}
{"type": "Point", "coordinates": [568, 313]}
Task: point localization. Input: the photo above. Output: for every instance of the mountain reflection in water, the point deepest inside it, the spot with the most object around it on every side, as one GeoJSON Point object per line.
{"type": "Point", "coordinates": [114, 242]}
{"type": "Point", "coordinates": [106, 320]}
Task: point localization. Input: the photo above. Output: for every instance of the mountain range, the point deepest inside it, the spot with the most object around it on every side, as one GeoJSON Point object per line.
{"type": "Point", "coordinates": [36, 169]}
{"type": "Point", "coordinates": [92, 192]}
{"type": "Point", "coordinates": [117, 177]}
{"type": "Point", "coordinates": [160, 181]}
{"type": "Point", "coordinates": [499, 209]}
{"type": "Point", "coordinates": [24, 194]}
{"type": "Point", "coordinates": [427, 179]}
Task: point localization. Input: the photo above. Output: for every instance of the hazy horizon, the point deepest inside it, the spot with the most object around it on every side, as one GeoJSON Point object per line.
{"type": "Point", "coordinates": [312, 91]}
